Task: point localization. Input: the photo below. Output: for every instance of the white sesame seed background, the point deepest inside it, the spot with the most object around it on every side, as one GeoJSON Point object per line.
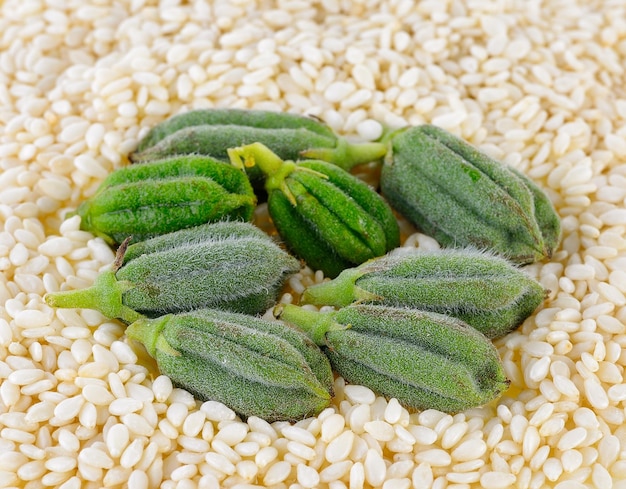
{"type": "Point", "coordinates": [540, 85]}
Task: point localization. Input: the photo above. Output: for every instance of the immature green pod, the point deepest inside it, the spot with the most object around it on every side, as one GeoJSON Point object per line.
{"type": "Point", "coordinates": [227, 265]}
{"type": "Point", "coordinates": [423, 359]}
{"type": "Point", "coordinates": [143, 201]}
{"type": "Point", "coordinates": [462, 197]}
{"type": "Point", "coordinates": [485, 291]}
{"type": "Point", "coordinates": [212, 131]}
{"type": "Point", "coordinates": [325, 215]}
{"type": "Point", "coordinates": [255, 366]}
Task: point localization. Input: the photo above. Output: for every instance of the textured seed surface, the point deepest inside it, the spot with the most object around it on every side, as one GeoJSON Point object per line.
{"type": "Point", "coordinates": [541, 88]}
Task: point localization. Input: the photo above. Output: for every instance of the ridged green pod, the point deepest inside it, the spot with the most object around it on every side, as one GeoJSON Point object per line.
{"type": "Point", "coordinates": [462, 197]}
{"type": "Point", "coordinates": [212, 131]}
{"type": "Point", "coordinates": [423, 359]}
{"type": "Point", "coordinates": [254, 366]}
{"type": "Point", "coordinates": [325, 215]}
{"type": "Point", "coordinates": [485, 291]}
{"type": "Point", "coordinates": [143, 201]}
{"type": "Point", "coordinates": [227, 265]}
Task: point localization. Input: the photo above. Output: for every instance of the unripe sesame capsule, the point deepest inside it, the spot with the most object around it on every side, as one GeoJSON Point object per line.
{"type": "Point", "coordinates": [254, 366]}
{"type": "Point", "coordinates": [462, 197]}
{"type": "Point", "coordinates": [423, 359]}
{"type": "Point", "coordinates": [213, 131]}
{"type": "Point", "coordinates": [229, 265]}
{"type": "Point", "coordinates": [143, 201]}
{"type": "Point", "coordinates": [486, 291]}
{"type": "Point", "coordinates": [325, 215]}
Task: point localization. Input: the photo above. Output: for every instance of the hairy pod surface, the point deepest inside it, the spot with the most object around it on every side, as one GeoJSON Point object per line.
{"type": "Point", "coordinates": [462, 197]}
{"type": "Point", "coordinates": [325, 215]}
{"type": "Point", "coordinates": [143, 201]}
{"type": "Point", "coordinates": [424, 359]}
{"type": "Point", "coordinates": [254, 366]}
{"type": "Point", "coordinates": [260, 119]}
{"type": "Point", "coordinates": [213, 131]}
{"type": "Point", "coordinates": [227, 265]}
{"type": "Point", "coordinates": [485, 291]}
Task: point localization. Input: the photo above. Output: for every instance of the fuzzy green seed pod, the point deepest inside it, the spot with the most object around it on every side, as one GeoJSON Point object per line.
{"type": "Point", "coordinates": [143, 201]}
{"type": "Point", "coordinates": [424, 359]}
{"type": "Point", "coordinates": [255, 366]}
{"type": "Point", "coordinates": [212, 131]}
{"type": "Point", "coordinates": [325, 215]}
{"type": "Point", "coordinates": [462, 197]}
{"type": "Point", "coordinates": [227, 265]}
{"type": "Point", "coordinates": [485, 291]}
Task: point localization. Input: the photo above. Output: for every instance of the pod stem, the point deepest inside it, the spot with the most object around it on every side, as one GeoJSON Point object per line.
{"type": "Point", "coordinates": [105, 295]}
{"type": "Point", "coordinates": [275, 169]}
{"type": "Point", "coordinates": [256, 154]}
{"type": "Point", "coordinates": [314, 323]}
{"type": "Point", "coordinates": [338, 292]}
{"type": "Point", "coordinates": [148, 332]}
{"type": "Point", "coordinates": [347, 155]}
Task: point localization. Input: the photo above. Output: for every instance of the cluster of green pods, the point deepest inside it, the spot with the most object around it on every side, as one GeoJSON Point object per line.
{"type": "Point", "coordinates": [193, 274]}
{"type": "Point", "coordinates": [192, 297]}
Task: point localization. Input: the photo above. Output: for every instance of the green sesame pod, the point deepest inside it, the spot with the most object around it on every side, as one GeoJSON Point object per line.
{"type": "Point", "coordinates": [424, 359]}
{"type": "Point", "coordinates": [180, 166]}
{"type": "Point", "coordinates": [462, 197]}
{"type": "Point", "coordinates": [485, 291]}
{"type": "Point", "coordinates": [144, 201]}
{"type": "Point", "coordinates": [547, 219]}
{"type": "Point", "coordinates": [214, 232]}
{"type": "Point", "coordinates": [256, 367]}
{"type": "Point", "coordinates": [325, 215]}
{"type": "Point", "coordinates": [228, 265]}
{"type": "Point", "coordinates": [260, 119]}
{"type": "Point", "coordinates": [305, 242]}
{"type": "Point", "coordinates": [213, 140]}
{"type": "Point", "coordinates": [212, 131]}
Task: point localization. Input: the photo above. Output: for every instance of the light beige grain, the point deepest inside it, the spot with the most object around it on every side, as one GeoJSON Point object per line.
{"type": "Point", "coordinates": [539, 86]}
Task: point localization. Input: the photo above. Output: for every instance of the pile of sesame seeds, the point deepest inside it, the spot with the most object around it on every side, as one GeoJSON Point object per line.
{"type": "Point", "coordinates": [540, 85]}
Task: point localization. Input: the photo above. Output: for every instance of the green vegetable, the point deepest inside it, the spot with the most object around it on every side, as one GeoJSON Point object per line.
{"type": "Point", "coordinates": [144, 201]}
{"type": "Point", "coordinates": [424, 359]}
{"type": "Point", "coordinates": [485, 291]}
{"type": "Point", "coordinates": [324, 214]}
{"type": "Point", "coordinates": [227, 265]}
{"type": "Point", "coordinates": [212, 131]}
{"type": "Point", "coordinates": [462, 197]}
{"type": "Point", "coordinates": [254, 366]}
